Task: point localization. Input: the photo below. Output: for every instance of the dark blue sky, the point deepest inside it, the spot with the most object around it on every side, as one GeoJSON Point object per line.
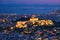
{"type": "Point", "coordinates": [18, 6]}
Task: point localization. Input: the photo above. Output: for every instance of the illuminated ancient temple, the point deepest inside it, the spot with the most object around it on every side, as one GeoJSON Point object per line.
{"type": "Point", "coordinates": [34, 21]}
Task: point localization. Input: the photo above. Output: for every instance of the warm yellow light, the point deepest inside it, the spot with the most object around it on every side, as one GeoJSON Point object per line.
{"type": "Point", "coordinates": [3, 20]}
{"type": "Point", "coordinates": [33, 19]}
{"type": "Point", "coordinates": [21, 24]}
{"type": "Point", "coordinates": [34, 22]}
{"type": "Point", "coordinates": [39, 38]}
{"type": "Point", "coordinates": [11, 28]}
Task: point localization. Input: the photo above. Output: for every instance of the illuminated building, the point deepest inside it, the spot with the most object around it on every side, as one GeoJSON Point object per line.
{"type": "Point", "coordinates": [21, 24]}
{"type": "Point", "coordinates": [39, 38]}
{"type": "Point", "coordinates": [33, 19]}
{"type": "Point", "coordinates": [35, 22]}
{"type": "Point", "coordinates": [45, 22]}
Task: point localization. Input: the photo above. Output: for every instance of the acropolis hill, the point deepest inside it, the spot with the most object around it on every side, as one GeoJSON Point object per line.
{"type": "Point", "coordinates": [34, 22]}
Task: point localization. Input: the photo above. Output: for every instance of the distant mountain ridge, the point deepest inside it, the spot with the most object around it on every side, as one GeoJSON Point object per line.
{"type": "Point", "coordinates": [55, 12]}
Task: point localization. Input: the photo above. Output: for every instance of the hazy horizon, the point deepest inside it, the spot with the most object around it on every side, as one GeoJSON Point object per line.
{"type": "Point", "coordinates": [29, 6]}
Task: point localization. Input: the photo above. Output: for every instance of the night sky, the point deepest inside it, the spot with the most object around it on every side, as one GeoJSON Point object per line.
{"type": "Point", "coordinates": [30, 2]}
